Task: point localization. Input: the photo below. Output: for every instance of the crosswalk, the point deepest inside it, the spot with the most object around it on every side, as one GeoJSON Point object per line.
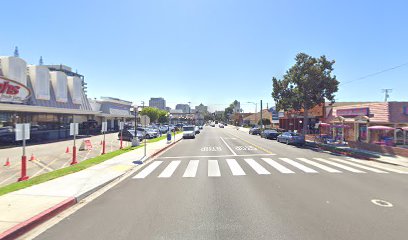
{"type": "Point", "coordinates": [263, 166]}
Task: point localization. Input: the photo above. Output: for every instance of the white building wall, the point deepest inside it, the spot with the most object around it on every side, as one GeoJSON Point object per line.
{"type": "Point", "coordinates": [60, 85]}
{"type": "Point", "coordinates": [14, 68]}
{"type": "Point", "coordinates": [75, 89]}
{"type": "Point", "coordinates": [40, 78]}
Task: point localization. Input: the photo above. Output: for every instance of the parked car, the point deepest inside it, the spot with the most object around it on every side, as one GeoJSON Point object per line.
{"type": "Point", "coordinates": [164, 128]}
{"type": "Point", "coordinates": [270, 134]}
{"type": "Point", "coordinates": [197, 129]}
{"type": "Point", "coordinates": [291, 138]}
{"type": "Point", "coordinates": [200, 127]}
{"type": "Point", "coordinates": [129, 134]}
{"type": "Point", "coordinates": [255, 131]}
{"type": "Point", "coordinates": [189, 132]}
{"type": "Point", "coordinates": [221, 125]}
{"type": "Point", "coordinates": [212, 124]}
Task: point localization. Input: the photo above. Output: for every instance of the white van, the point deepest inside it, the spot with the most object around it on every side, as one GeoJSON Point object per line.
{"type": "Point", "coordinates": [189, 132]}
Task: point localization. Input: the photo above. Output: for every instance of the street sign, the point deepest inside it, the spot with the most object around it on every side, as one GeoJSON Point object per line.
{"type": "Point", "coordinates": [22, 131]}
{"type": "Point", "coordinates": [73, 129]}
{"type": "Point", "coordinates": [104, 127]}
{"type": "Point", "coordinates": [145, 120]}
{"type": "Point", "coordinates": [121, 125]}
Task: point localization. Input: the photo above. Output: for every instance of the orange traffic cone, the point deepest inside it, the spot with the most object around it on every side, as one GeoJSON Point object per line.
{"type": "Point", "coordinates": [32, 158]}
{"type": "Point", "coordinates": [7, 164]}
{"type": "Point", "coordinates": [67, 150]}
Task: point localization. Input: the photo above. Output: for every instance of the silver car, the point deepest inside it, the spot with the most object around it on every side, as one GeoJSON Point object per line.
{"type": "Point", "coordinates": [291, 138]}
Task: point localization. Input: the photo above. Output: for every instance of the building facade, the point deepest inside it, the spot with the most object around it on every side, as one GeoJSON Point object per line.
{"type": "Point", "coordinates": [112, 111]}
{"type": "Point", "coordinates": [185, 108]}
{"type": "Point", "coordinates": [48, 97]}
{"type": "Point", "coordinates": [159, 103]}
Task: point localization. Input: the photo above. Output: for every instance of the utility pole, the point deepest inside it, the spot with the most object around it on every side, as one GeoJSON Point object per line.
{"type": "Point", "coordinates": [189, 112]}
{"type": "Point", "coordinates": [386, 91]}
{"type": "Point", "coordinates": [261, 116]}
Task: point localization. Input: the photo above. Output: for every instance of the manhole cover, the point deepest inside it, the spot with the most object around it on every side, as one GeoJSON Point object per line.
{"type": "Point", "coordinates": [381, 203]}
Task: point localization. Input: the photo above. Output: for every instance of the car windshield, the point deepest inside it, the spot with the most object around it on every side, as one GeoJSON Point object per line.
{"type": "Point", "coordinates": [294, 134]}
{"type": "Point", "coordinates": [188, 128]}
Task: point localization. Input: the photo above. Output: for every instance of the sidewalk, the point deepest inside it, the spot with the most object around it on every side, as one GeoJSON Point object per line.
{"type": "Point", "coordinates": [24, 209]}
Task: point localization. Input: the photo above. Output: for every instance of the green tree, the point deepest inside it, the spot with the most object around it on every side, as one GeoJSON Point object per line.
{"type": "Point", "coordinates": [163, 116]}
{"type": "Point", "coordinates": [307, 83]}
{"type": "Point", "coordinates": [151, 112]}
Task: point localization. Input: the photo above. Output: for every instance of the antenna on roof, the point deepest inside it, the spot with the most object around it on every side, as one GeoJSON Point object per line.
{"type": "Point", "coordinates": [386, 91]}
{"type": "Point", "coordinates": [41, 62]}
{"type": "Point", "coordinates": [16, 53]}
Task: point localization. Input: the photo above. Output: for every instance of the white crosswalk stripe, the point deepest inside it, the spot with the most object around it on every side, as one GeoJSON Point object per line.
{"type": "Point", "coordinates": [377, 165]}
{"type": "Point", "coordinates": [321, 166]}
{"type": "Point", "coordinates": [256, 166]}
{"type": "Point", "coordinates": [298, 165]}
{"type": "Point", "coordinates": [287, 166]}
{"type": "Point", "coordinates": [213, 168]}
{"type": "Point", "coordinates": [235, 168]}
{"type": "Point", "coordinates": [340, 165]}
{"type": "Point", "coordinates": [358, 165]}
{"type": "Point", "coordinates": [149, 169]}
{"type": "Point", "coordinates": [277, 166]}
{"type": "Point", "coordinates": [169, 170]}
{"type": "Point", "coordinates": [191, 170]}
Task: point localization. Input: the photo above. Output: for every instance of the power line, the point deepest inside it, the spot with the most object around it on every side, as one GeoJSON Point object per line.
{"type": "Point", "coordinates": [374, 74]}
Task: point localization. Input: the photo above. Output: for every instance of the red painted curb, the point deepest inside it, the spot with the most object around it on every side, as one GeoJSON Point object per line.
{"type": "Point", "coordinates": [29, 224]}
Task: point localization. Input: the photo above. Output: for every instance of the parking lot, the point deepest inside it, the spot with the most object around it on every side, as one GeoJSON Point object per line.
{"type": "Point", "coordinates": [51, 156]}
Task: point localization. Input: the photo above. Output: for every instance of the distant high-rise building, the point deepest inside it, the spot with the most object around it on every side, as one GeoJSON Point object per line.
{"type": "Point", "coordinates": [201, 108]}
{"type": "Point", "coordinates": [184, 107]}
{"type": "Point", "coordinates": [159, 103]}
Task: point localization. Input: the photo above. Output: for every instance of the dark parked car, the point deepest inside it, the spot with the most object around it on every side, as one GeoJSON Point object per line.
{"type": "Point", "coordinates": [129, 134]}
{"type": "Point", "coordinates": [291, 138]}
{"type": "Point", "coordinates": [270, 134]}
{"type": "Point", "coordinates": [255, 131]}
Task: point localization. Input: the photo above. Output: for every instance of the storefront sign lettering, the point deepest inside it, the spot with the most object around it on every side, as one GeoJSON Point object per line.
{"type": "Point", "coordinates": [12, 91]}
{"type": "Point", "coordinates": [353, 112]}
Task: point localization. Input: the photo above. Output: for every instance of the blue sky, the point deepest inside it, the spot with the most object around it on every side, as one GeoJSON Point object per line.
{"type": "Point", "coordinates": [211, 51]}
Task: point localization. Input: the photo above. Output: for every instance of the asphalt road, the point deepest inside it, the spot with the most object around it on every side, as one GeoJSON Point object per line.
{"type": "Point", "coordinates": [226, 184]}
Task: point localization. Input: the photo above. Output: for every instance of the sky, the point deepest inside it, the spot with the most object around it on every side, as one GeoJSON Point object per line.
{"type": "Point", "coordinates": [212, 51]}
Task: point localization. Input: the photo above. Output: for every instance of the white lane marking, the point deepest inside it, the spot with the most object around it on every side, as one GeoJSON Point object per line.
{"type": "Point", "coordinates": [256, 166]}
{"type": "Point", "coordinates": [219, 156]}
{"type": "Point", "coordinates": [358, 165]}
{"type": "Point", "coordinates": [191, 170]}
{"type": "Point", "coordinates": [235, 168]}
{"type": "Point", "coordinates": [340, 165]}
{"type": "Point", "coordinates": [298, 165]}
{"type": "Point", "coordinates": [228, 146]}
{"type": "Point", "coordinates": [169, 170]}
{"type": "Point", "coordinates": [321, 166]}
{"type": "Point", "coordinates": [277, 166]}
{"type": "Point", "coordinates": [213, 168]}
{"type": "Point", "coordinates": [369, 163]}
{"type": "Point", "coordinates": [149, 169]}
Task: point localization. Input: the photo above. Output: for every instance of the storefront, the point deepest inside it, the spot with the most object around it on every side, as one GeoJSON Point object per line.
{"type": "Point", "coordinates": [293, 120]}
{"type": "Point", "coordinates": [112, 111]}
{"type": "Point", "coordinates": [378, 122]}
{"type": "Point", "coordinates": [45, 96]}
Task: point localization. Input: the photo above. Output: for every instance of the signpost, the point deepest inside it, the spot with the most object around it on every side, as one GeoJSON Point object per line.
{"type": "Point", "coordinates": [23, 134]}
{"type": "Point", "coordinates": [121, 126]}
{"type": "Point", "coordinates": [73, 131]}
{"type": "Point", "coordinates": [104, 130]}
{"type": "Point", "coordinates": [145, 121]}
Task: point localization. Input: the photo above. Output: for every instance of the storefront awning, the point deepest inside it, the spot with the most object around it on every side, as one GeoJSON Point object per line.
{"type": "Point", "coordinates": [40, 109]}
{"type": "Point", "coordinates": [381, 128]}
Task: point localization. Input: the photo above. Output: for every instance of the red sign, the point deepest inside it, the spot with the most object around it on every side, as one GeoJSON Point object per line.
{"type": "Point", "coordinates": [12, 91]}
{"type": "Point", "coordinates": [88, 144]}
{"type": "Point", "coordinates": [353, 112]}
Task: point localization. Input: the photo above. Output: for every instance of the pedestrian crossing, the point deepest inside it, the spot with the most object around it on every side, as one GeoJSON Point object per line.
{"type": "Point", "coordinates": [215, 168]}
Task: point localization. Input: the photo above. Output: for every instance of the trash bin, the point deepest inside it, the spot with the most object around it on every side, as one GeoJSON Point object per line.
{"type": "Point", "coordinates": [168, 137]}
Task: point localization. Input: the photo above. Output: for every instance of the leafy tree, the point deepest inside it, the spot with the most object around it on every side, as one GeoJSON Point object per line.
{"type": "Point", "coordinates": [151, 112]}
{"type": "Point", "coordinates": [307, 83]}
{"type": "Point", "coordinates": [163, 116]}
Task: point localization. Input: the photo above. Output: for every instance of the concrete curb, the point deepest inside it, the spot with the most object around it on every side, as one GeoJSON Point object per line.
{"type": "Point", "coordinates": [31, 223]}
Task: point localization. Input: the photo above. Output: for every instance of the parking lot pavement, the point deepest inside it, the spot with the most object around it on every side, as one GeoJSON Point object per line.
{"type": "Point", "coordinates": [51, 156]}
